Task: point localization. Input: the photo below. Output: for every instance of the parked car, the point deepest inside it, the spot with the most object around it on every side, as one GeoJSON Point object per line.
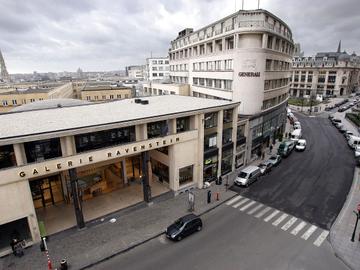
{"type": "Point", "coordinates": [339, 125]}
{"type": "Point", "coordinates": [357, 151]}
{"type": "Point", "coordinates": [347, 134]}
{"type": "Point", "coordinates": [335, 120]}
{"type": "Point", "coordinates": [247, 176]}
{"type": "Point", "coordinates": [342, 129]}
{"type": "Point", "coordinates": [331, 116]}
{"type": "Point", "coordinates": [285, 148]}
{"type": "Point", "coordinates": [265, 167]}
{"type": "Point", "coordinates": [296, 134]}
{"type": "Point", "coordinates": [183, 227]}
{"type": "Point", "coordinates": [300, 145]}
{"type": "Point", "coordinates": [275, 160]}
{"type": "Point", "coordinates": [354, 141]}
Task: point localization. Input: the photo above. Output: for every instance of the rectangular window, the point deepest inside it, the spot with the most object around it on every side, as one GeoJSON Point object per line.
{"type": "Point", "coordinates": [217, 83]}
{"type": "Point", "coordinates": [210, 141]}
{"type": "Point", "coordinates": [182, 124]}
{"type": "Point", "coordinates": [105, 138]}
{"type": "Point", "coordinates": [7, 156]}
{"type": "Point", "coordinates": [38, 151]}
{"type": "Point", "coordinates": [14, 102]}
{"type": "Point", "coordinates": [4, 103]}
{"type": "Point", "coordinates": [195, 81]}
{"type": "Point", "coordinates": [227, 84]}
{"type": "Point", "coordinates": [229, 64]}
{"type": "Point", "coordinates": [210, 120]}
{"type": "Point", "coordinates": [228, 116]}
{"type": "Point", "coordinates": [201, 81]}
{"type": "Point", "coordinates": [118, 96]}
{"type": "Point", "coordinates": [227, 136]}
{"type": "Point", "coordinates": [268, 64]}
{"type": "Point", "coordinates": [157, 129]}
{"type": "Point", "coordinates": [111, 96]}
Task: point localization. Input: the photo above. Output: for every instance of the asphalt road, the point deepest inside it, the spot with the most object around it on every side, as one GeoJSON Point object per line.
{"type": "Point", "coordinates": [311, 185]}
{"type": "Point", "coordinates": [230, 239]}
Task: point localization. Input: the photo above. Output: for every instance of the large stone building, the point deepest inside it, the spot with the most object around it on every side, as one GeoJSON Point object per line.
{"type": "Point", "coordinates": [102, 91]}
{"type": "Point", "coordinates": [245, 57]}
{"type": "Point", "coordinates": [326, 73]}
{"type": "Point", "coordinates": [61, 169]}
{"type": "Point", "coordinates": [157, 69]}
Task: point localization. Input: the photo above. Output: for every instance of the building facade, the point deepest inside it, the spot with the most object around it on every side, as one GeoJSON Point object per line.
{"type": "Point", "coordinates": [135, 72]}
{"type": "Point", "coordinates": [60, 169]}
{"type": "Point", "coordinates": [243, 57]}
{"type": "Point", "coordinates": [96, 92]}
{"type": "Point", "coordinates": [326, 74]}
{"type": "Point", "coordinates": [154, 89]}
{"type": "Point", "coordinates": [157, 69]}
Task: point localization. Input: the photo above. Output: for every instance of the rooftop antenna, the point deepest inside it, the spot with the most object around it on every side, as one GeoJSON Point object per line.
{"type": "Point", "coordinates": [258, 4]}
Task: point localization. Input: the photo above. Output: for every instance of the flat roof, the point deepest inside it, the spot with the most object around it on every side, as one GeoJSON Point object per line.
{"type": "Point", "coordinates": [35, 122]}
{"type": "Point", "coordinates": [27, 91]}
{"type": "Point", "coordinates": [105, 87]}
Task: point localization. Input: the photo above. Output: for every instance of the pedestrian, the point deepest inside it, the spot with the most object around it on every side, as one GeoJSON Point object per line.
{"type": "Point", "coordinates": [262, 155]}
{"type": "Point", "coordinates": [271, 148]}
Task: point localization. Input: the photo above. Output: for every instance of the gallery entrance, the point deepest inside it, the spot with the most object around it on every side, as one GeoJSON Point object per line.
{"type": "Point", "coordinates": [46, 191]}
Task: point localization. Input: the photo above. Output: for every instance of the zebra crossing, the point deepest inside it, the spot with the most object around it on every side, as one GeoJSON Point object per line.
{"type": "Point", "coordinates": [276, 218]}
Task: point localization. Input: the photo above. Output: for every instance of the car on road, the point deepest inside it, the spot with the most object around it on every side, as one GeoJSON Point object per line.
{"type": "Point", "coordinates": [275, 160]}
{"type": "Point", "coordinates": [183, 227]}
{"type": "Point", "coordinates": [300, 145]}
{"type": "Point", "coordinates": [335, 120]}
{"type": "Point", "coordinates": [354, 141]}
{"type": "Point", "coordinates": [265, 167]}
{"type": "Point", "coordinates": [285, 148]}
{"type": "Point", "coordinates": [247, 176]}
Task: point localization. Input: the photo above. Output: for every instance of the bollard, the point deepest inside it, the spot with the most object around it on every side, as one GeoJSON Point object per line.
{"type": "Point", "coordinates": [209, 196]}
{"type": "Point", "coordinates": [217, 196]}
{"type": "Point", "coordinates": [63, 264]}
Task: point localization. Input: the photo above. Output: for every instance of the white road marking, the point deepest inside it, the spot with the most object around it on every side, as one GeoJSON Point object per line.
{"type": "Point", "coordinates": [240, 203]}
{"type": "Point", "coordinates": [252, 211]}
{"type": "Point", "coordinates": [309, 232]}
{"type": "Point", "coordinates": [263, 212]}
{"type": "Point", "coordinates": [298, 228]}
{"type": "Point", "coordinates": [279, 220]}
{"type": "Point", "coordinates": [273, 214]}
{"type": "Point", "coordinates": [321, 238]}
{"type": "Point", "coordinates": [289, 224]}
{"type": "Point", "coordinates": [234, 200]}
{"type": "Point", "coordinates": [247, 206]}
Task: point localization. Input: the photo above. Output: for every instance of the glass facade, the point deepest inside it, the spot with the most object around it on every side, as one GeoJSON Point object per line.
{"type": "Point", "coordinates": [226, 161]}
{"type": "Point", "coordinates": [210, 141]}
{"type": "Point", "coordinates": [182, 124]}
{"type": "Point", "coordinates": [227, 136]}
{"type": "Point", "coordinates": [157, 129]}
{"type": "Point", "coordinates": [228, 114]}
{"type": "Point", "coordinates": [38, 151]}
{"type": "Point", "coordinates": [210, 120]}
{"type": "Point", "coordinates": [7, 156]}
{"type": "Point", "coordinates": [186, 175]}
{"type": "Point", "coordinates": [210, 168]}
{"type": "Point", "coordinates": [160, 170]}
{"type": "Point", "coordinates": [106, 138]}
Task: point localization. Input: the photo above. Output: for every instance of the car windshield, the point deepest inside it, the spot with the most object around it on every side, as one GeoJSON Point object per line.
{"type": "Point", "coordinates": [281, 146]}
{"type": "Point", "coordinates": [262, 165]}
{"type": "Point", "coordinates": [272, 158]}
{"type": "Point", "coordinates": [242, 174]}
{"type": "Point", "coordinates": [179, 223]}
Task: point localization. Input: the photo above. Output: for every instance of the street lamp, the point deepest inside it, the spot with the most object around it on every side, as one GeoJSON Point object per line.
{"type": "Point", "coordinates": [356, 223]}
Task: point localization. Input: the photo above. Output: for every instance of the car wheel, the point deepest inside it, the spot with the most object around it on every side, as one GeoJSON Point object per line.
{"type": "Point", "coordinates": [179, 238]}
{"type": "Point", "coordinates": [199, 228]}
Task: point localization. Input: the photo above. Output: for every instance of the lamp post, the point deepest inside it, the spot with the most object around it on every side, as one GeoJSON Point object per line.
{"type": "Point", "coordinates": [356, 223]}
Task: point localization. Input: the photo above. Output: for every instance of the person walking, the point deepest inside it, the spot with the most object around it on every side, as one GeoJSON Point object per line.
{"type": "Point", "coordinates": [271, 148]}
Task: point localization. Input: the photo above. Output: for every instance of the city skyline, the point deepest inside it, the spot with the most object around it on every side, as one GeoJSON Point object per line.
{"type": "Point", "coordinates": [99, 36]}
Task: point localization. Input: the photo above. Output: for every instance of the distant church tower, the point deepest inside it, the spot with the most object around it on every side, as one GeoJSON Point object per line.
{"type": "Point", "coordinates": [4, 75]}
{"type": "Point", "coordinates": [339, 47]}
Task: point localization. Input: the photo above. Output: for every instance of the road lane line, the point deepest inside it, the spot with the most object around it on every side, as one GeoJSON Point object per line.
{"type": "Point", "coordinates": [289, 224]}
{"type": "Point", "coordinates": [309, 232]}
{"type": "Point", "coordinates": [279, 220]}
{"type": "Point", "coordinates": [298, 228]}
{"type": "Point", "coordinates": [247, 206]}
{"type": "Point", "coordinates": [321, 238]}
{"type": "Point", "coordinates": [240, 203]}
{"type": "Point", "coordinates": [273, 214]}
{"type": "Point", "coordinates": [234, 200]}
{"type": "Point", "coordinates": [252, 211]}
{"type": "Point", "coordinates": [263, 212]}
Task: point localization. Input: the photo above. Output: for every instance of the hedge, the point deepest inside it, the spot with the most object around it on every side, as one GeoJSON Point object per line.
{"type": "Point", "coordinates": [353, 117]}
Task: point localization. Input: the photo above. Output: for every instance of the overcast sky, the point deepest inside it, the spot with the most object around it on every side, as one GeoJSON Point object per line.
{"type": "Point", "coordinates": [58, 35]}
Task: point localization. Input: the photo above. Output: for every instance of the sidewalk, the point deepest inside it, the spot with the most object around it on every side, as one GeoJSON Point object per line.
{"type": "Point", "coordinates": [342, 229]}
{"type": "Point", "coordinates": [317, 109]}
{"type": "Point", "coordinates": [105, 239]}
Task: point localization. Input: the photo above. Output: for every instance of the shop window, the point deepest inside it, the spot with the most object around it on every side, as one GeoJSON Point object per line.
{"type": "Point", "coordinates": [160, 170]}
{"type": "Point", "coordinates": [38, 151]}
{"type": "Point", "coordinates": [227, 136]}
{"type": "Point", "coordinates": [182, 124]}
{"type": "Point", "coordinates": [239, 160]}
{"type": "Point", "coordinates": [18, 229]}
{"type": "Point", "coordinates": [210, 120]}
{"type": "Point", "coordinates": [210, 168]}
{"type": "Point", "coordinates": [7, 156]}
{"type": "Point", "coordinates": [186, 175]}
{"type": "Point", "coordinates": [106, 138]}
{"type": "Point", "coordinates": [226, 161]}
{"type": "Point", "coordinates": [210, 141]}
{"type": "Point", "coordinates": [228, 116]}
{"type": "Point", "coordinates": [157, 129]}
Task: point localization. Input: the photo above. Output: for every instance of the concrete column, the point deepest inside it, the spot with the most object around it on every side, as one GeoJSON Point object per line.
{"type": "Point", "coordinates": [264, 41]}
{"type": "Point", "coordinates": [198, 122]}
{"type": "Point", "coordinates": [76, 198]}
{"type": "Point", "coordinates": [173, 179]}
{"type": "Point", "coordinates": [32, 219]}
{"type": "Point", "coordinates": [20, 155]}
{"type": "Point", "coordinates": [172, 126]}
{"type": "Point", "coordinates": [234, 135]}
{"type": "Point", "coordinates": [141, 132]}
{"type": "Point", "coordinates": [223, 44]}
{"type": "Point", "coordinates": [67, 146]}
{"type": "Point", "coordinates": [145, 177]}
{"type": "Point", "coordinates": [219, 139]}
{"type": "Point", "coordinates": [123, 170]}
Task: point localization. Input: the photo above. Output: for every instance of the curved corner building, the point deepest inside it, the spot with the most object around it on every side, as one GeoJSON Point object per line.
{"type": "Point", "coordinates": [244, 57]}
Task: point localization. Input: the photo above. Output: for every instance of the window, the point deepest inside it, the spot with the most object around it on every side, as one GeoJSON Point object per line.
{"type": "Point", "coordinates": [186, 175]}
{"type": "Point", "coordinates": [227, 84]}
{"type": "Point", "coordinates": [111, 96]}
{"type": "Point", "coordinates": [217, 83]}
{"type": "Point", "coordinates": [87, 97]}
{"type": "Point", "coordinates": [268, 64]}
{"type": "Point", "coordinates": [210, 120]}
{"type": "Point", "coordinates": [228, 116]}
{"type": "Point", "coordinates": [157, 129]}
{"type": "Point", "coordinates": [226, 161]}
{"type": "Point", "coordinates": [218, 65]}
{"type": "Point", "coordinates": [201, 81]}
{"type": "Point", "coordinates": [210, 141]}
{"type": "Point", "coordinates": [331, 79]}
{"type": "Point", "coordinates": [227, 136]}
{"type": "Point", "coordinates": [154, 74]}
{"type": "Point", "coordinates": [182, 124]}
{"type": "Point", "coordinates": [32, 100]}
{"type": "Point", "coordinates": [4, 103]}
{"type": "Point", "coordinates": [38, 151]}
{"type": "Point", "coordinates": [154, 62]}
{"type": "Point", "coordinates": [14, 102]}
{"type": "Point", "coordinates": [7, 156]}
{"type": "Point", "coordinates": [105, 138]}
{"type": "Point", "coordinates": [228, 64]}
{"type": "Point", "coordinates": [118, 96]}
{"type": "Point", "coordinates": [126, 95]}
{"type": "Point", "coordinates": [209, 82]}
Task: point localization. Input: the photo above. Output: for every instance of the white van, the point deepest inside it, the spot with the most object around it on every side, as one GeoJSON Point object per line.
{"type": "Point", "coordinates": [354, 141]}
{"type": "Point", "coordinates": [295, 135]}
{"type": "Point", "coordinates": [247, 176]}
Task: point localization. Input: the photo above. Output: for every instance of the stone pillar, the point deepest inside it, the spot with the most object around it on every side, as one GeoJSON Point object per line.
{"type": "Point", "coordinates": [264, 41]}
{"type": "Point", "coordinates": [123, 170]}
{"type": "Point", "coordinates": [198, 123]}
{"type": "Point", "coordinates": [234, 136]}
{"type": "Point", "coordinates": [20, 155]}
{"type": "Point", "coordinates": [76, 198]}
{"type": "Point", "coordinates": [172, 126]}
{"type": "Point", "coordinates": [219, 139]}
{"type": "Point", "coordinates": [145, 177]}
{"type": "Point", "coordinates": [67, 146]}
{"type": "Point", "coordinates": [141, 132]}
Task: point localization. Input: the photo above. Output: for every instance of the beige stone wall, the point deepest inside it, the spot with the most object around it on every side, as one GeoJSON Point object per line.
{"type": "Point", "coordinates": [166, 89]}
{"type": "Point", "coordinates": [97, 95]}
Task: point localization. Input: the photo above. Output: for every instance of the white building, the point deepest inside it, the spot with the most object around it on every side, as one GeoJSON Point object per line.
{"type": "Point", "coordinates": [326, 73]}
{"type": "Point", "coordinates": [135, 72]}
{"type": "Point", "coordinates": [243, 57]}
{"type": "Point", "coordinates": [157, 68]}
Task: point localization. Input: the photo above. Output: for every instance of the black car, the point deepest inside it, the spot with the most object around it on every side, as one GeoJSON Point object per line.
{"type": "Point", "coordinates": [183, 227]}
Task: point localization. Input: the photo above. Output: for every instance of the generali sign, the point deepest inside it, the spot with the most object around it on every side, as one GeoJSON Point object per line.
{"type": "Point", "coordinates": [65, 163]}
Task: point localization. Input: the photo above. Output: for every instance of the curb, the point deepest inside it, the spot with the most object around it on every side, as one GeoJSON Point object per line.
{"type": "Point", "coordinates": [122, 251]}
{"type": "Point", "coordinates": [344, 209]}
